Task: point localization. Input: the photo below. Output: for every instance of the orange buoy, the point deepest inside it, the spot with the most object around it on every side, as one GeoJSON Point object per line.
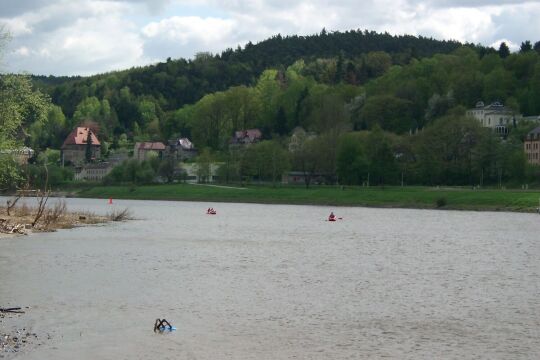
{"type": "Point", "coordinates": [110, 201]}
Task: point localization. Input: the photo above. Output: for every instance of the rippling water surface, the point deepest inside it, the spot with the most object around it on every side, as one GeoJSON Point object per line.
{"type": "Point", "coordinates": [279, 282]}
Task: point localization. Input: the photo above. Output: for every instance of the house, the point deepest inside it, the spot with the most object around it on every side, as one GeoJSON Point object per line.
{"type": "Point", "coordinates": [299, 177]}
{"type": "Point", "coordinates": [495, 116]}
{"type": "Point", "coordinates": [182, 149]}
{"type": "Point", "coordinates": [93, 171]}
{"type": "Point", "coordinates": [75, 145]}
{"type": "Point", "coordinates": [299, 135]}
{"type": "Point", "coordinates": [531, 145]}
{"type": "Point", "coordinates": [145, 150]}
{"type": "Point", "coordinates": [246, 137]}
{"type": "Point", "coordinates": [191, 172]}
{"type": "Point", "coordinates": [20, 155]}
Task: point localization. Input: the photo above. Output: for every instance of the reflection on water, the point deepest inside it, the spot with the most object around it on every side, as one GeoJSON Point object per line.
{"type": "Point", "coordinates": [279, 282]}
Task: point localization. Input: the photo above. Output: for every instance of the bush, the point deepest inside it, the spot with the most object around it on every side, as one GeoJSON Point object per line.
{"type": "Point", "coordinates": [441, 202]}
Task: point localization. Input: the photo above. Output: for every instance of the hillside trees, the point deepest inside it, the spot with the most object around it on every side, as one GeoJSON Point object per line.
{"type": "Point", "coordinates": [93, 110]}
{"type": "Point", "coordinates": [49, 132]}
{"type": "Point", "coordinates": [20, 106]}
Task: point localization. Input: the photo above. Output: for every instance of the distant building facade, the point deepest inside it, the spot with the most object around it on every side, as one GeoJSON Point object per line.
{"type": "Point", "coordinates": [495, 116]}
{"type": "Point", "coordinates": [74, 148]}
{"type": "Point", "coordinates": [246, 137]}
{"type": "Point", "coordinates": [93, 172]}
{"type": "Point", "coordinates": [190, 172]}
{"type": "Point", "coordinates": [143, 150]}
{"type": "Point", "coordinates": [299, 177]}
{"type": "Point", "coordinates": [299, 135]}
{"type": "Point", "coordinates": [531, 146]}
{"type": "Point", "coordinates": [182, 149]}
{"type": "Point", "coordinates": [20, 155]}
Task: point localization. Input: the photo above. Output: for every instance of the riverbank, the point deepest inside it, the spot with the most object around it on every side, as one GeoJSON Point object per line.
{"type": "Point", "coordinates": [23, 219]}
{"type": "Point", "coordinates": [447, 198]}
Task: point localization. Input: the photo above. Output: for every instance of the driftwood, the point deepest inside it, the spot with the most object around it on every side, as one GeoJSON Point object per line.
{"type": "Point", "coordinates": [7, 228]}
{"type": "Point", "coordinates": [15, 310]}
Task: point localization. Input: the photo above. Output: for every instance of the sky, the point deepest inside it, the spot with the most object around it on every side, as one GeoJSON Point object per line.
{"type": "Point", "coordinates": [84, 37]}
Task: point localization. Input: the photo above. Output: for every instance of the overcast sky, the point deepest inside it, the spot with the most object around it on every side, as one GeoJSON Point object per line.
{"type": "Point", "coordinates": [83, 37]}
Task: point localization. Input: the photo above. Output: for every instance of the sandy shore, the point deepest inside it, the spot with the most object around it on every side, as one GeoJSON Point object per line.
{"type": "Point", "coordinates": [22, 219]}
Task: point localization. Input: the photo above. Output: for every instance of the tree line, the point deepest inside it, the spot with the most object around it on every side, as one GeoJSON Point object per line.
{"type": "Point", "coordinates": [395, 100]}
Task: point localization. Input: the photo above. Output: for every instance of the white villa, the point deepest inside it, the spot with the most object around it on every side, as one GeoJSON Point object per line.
{"type": "Point", "coordinates": [495, 116]}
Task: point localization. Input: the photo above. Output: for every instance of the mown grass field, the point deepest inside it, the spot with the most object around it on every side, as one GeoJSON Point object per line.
{"type": "Point", "coordinates": [406, 197]}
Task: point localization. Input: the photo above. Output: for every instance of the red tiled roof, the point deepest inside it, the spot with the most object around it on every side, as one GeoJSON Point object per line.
{"type": "Point", "coordinates": [79, 135]}
{"type": "Point", "coordinates": [150, 146]}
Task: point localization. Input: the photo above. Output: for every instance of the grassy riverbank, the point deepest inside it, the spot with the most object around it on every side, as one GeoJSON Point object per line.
{"type": "Point", "coordinates": [407, 197]}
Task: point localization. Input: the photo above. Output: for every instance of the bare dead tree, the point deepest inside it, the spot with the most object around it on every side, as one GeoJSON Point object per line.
{"type": "Point", "coordinates": [20, 194]}
{"type": "Point", "coordinates": [12, 202]}
{"type": "Point", "coordinates": [43, 197]}
{"type": "Point", "coordinates": [120, 215]}
{"type": "Point", "coordinates": [56, 213]}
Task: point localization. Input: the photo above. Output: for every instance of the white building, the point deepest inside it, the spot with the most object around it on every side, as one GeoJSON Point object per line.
{"type": "Point", "coordinates": [192, 173]}
{"type": "Point", "coordinates": [93, 171]}
{"type": "Point", "coordinates": [495, 116]}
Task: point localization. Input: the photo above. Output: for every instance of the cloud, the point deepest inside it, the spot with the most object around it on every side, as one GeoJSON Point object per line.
{"type": "Point", "coordinates": [82, 38]}
{"type": "Point", "coordinates": [89, 36]}
{"type": "Point", "coordinates": [178, 36]}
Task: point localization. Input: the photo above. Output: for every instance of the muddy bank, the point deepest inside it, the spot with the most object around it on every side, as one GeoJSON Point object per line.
{"type": "Point", "coordinates": [25, 219]}
{"type": "Point", "coordinates": [16, 334]}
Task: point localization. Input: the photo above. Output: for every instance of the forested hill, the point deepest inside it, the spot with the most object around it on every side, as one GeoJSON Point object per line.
{"type": "Point", "coordinates": [175, 83]}
{"type": "Point", "coordinates": [280, 50]}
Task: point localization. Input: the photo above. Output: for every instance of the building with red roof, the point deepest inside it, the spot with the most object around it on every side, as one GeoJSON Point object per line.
{"type": "Point", "coordinates": [246, 137]}
{"type": "Point", "coordinates": [74, 147]}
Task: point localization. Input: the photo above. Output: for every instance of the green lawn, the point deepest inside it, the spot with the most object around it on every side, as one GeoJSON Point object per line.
{"type": "Point", "coordinates": [409, 197]}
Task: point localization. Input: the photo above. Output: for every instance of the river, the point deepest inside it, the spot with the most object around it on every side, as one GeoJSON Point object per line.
{"type": "Point", "coordinates": [278, 282]}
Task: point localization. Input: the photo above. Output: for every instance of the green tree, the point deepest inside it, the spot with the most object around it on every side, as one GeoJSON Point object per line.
{"type": "Point", "coordinates": [266, 160]}
{"type": "Point", "coordinates": [204, 162]}
{"type": "Point", "coordinates": [20, 105]}
{"type": "Point", "coordinates": [537, 47]}
{"type": "Point", "coordinates": [525, 46]}
{"type": "Point", "coordinates": [49, 131]}
{"type": "Point", "coordinates": [281, 122]}
{"type": "Point", "coordinates": [382, 167]}
{"type": "Point", "coordinates": [88, 148]}
{"type": "Point", "coordinates": [167, 169]}
{"type": "Point", "coordinates": [504, 51]}
{"type": "Point", "coordinates": [352, 164]}
{"type": "Point", "coordinates": [388, 112]}
{"type": "Point", "coordinates": [211, 124]}
{"type": "Point", "coordinates": [305, 158]}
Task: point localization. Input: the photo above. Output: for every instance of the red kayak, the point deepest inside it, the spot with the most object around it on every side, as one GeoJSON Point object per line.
{"type": "Point", "coordinates": [331, 219]}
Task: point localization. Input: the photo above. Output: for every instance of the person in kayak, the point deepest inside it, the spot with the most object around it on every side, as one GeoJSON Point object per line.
{"type": "Point", "coordinates": [161, 325]}
{"type": "Point", "coordinates": [332, 217]}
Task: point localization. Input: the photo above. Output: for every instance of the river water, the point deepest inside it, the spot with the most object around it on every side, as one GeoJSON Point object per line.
{"type": "Point", "coordinates": [279, 282]}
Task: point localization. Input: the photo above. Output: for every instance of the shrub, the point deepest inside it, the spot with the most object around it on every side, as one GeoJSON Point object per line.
{"type": "Point", "coordinates": [441, 202]}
